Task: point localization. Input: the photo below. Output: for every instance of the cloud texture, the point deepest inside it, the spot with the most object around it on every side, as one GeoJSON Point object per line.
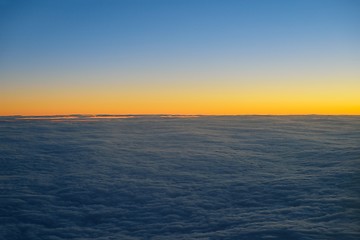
{"type": "Point", "coordinates": [250, 177]}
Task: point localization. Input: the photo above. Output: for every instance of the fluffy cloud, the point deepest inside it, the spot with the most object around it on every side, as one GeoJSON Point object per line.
{"type": "Point", "coordinates": [180, 178]}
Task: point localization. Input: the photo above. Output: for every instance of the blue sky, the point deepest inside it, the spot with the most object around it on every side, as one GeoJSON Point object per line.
{"type": "Point", "coordinates": [52, 41]}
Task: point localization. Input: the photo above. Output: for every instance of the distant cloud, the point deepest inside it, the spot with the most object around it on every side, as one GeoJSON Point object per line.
{"type": "Point", "coordinates": [207, 178]}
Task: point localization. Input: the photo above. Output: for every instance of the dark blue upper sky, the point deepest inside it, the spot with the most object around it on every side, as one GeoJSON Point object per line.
{"type": "Point", "coordinates": [187, 40]}
{"type": "Point", "coordinates": [93, 32]}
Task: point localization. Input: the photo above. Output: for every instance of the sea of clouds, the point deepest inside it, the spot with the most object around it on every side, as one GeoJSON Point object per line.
{"type": "Point", "coordinates": [168, 177]}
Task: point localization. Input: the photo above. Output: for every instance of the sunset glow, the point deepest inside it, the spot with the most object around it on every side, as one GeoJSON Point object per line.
{"type": "Point", "coordinates": [184, 57]}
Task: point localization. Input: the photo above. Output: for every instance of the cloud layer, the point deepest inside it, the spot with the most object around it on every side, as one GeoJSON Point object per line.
{"type": "Point", "coordinates": [180, 178]}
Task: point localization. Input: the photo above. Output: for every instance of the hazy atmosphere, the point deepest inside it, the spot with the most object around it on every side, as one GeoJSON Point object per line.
{"type": "Point", "coordinates": [179, 57]}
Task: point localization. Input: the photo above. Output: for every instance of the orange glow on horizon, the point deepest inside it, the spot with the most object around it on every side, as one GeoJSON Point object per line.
{"type": "Point", "coordinates": [224, 98]}
{"type": "Point", "coordinates": [177, 107]}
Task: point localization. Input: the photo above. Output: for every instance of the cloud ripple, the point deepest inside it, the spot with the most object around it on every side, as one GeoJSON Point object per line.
{"type": "Point", "coordinates": [210, 177]}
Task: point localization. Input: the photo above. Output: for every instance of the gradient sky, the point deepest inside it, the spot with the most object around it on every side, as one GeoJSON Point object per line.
{"type": "Point", "coordinates": [179, 57]}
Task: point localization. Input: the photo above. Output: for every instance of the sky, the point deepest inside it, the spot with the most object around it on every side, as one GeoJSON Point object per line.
{"type": "Point", "coordinates": [179, 57]}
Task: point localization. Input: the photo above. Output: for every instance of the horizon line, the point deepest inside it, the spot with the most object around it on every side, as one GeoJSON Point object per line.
{"type": "Point", "coordinates": [171, 114]}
